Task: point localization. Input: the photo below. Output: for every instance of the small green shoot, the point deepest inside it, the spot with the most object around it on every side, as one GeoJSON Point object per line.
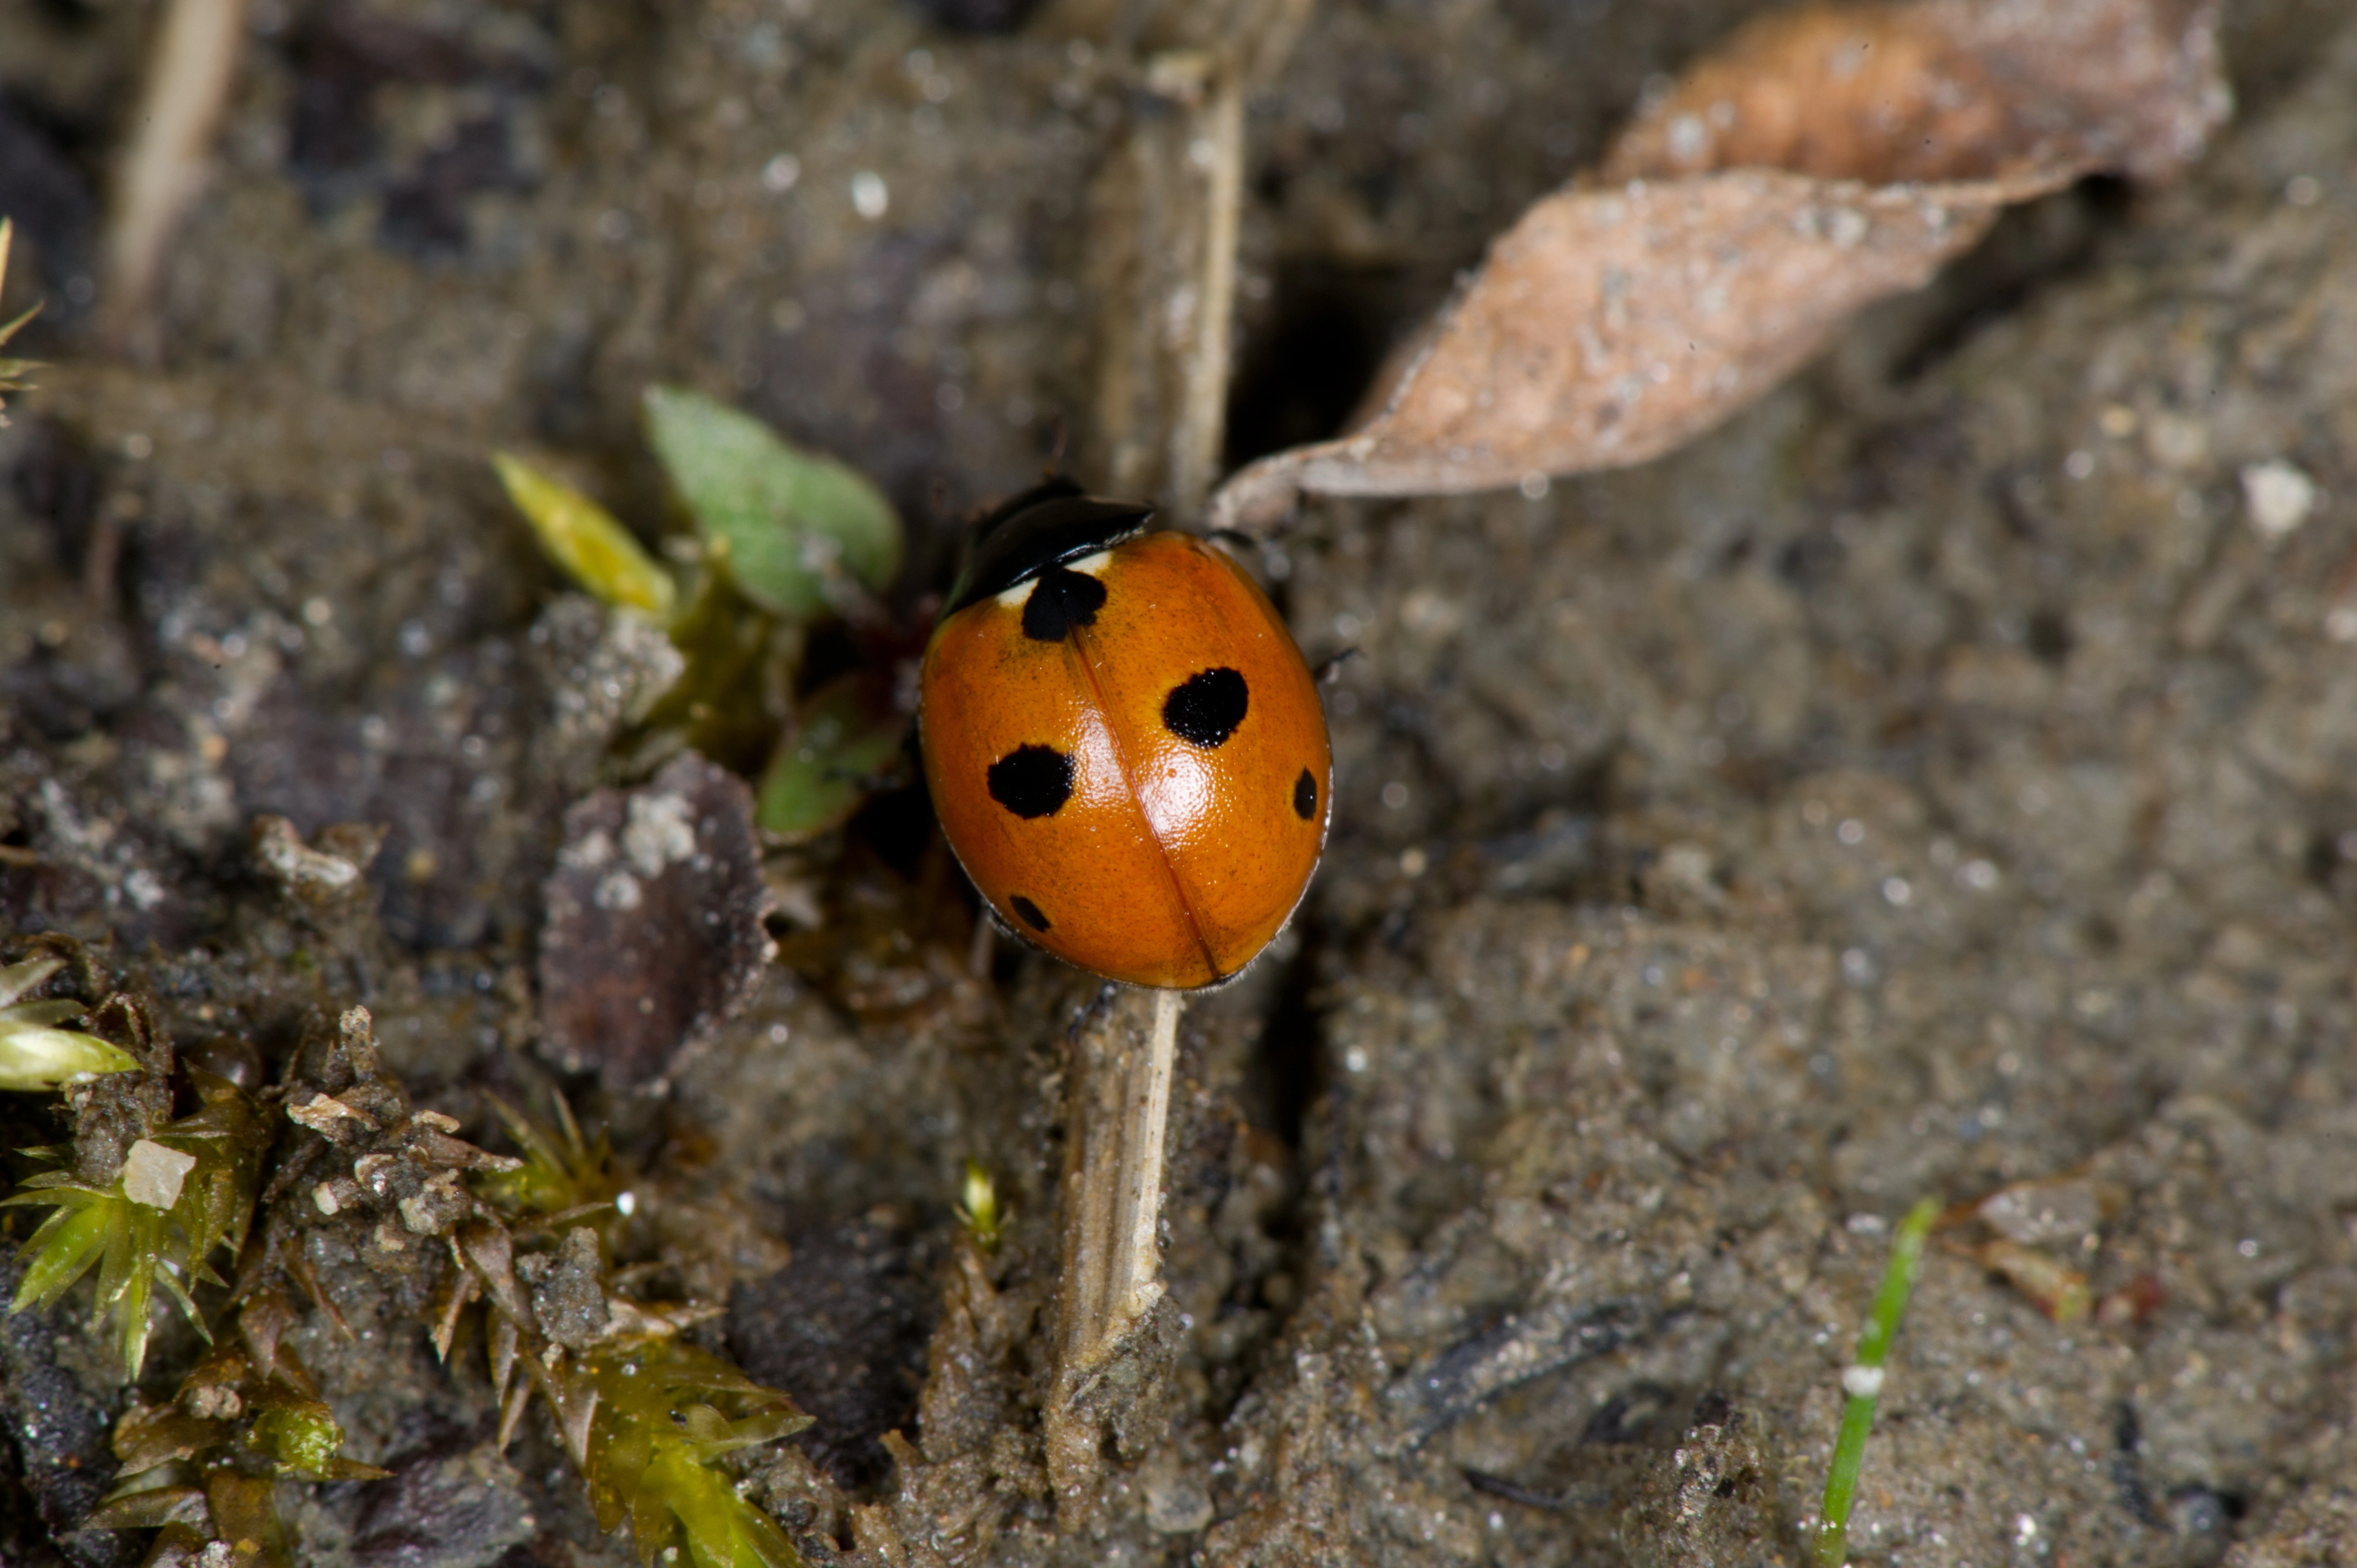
{"type": "Point", "coordinates": [183, 1191]}
{"type": "Point", "coordinates": [12, 371]}
{"type": "Point", "coordinates": [583, 538]}
{"type": "Point", "coordinates": [978, 1208]}
{"type": "Point", "coordinates": [564, 1175]}
{"type": "Point", "coordinates": [35, 1054]}
{"type": "Point", "coordinates": [844, 734]}
{"type": "Point", "coordinates": [1863, 1381]}
{"type": "Point", "coordinates": [791, 527]}
{"type": "Point", "coordinates": [660, 1425]}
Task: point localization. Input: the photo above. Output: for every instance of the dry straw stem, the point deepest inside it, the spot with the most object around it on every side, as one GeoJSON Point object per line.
{"type": "Point", "coordinates": [12, 371]}
{"type": "Point", "coordinates": [1164, 220]}
{"type": "Point", "coordinates": [1820, 161]}
{"type": "Point", "coordinates": [1117, 1071]}
{"type": "Point", "coordinates": [192, 62]}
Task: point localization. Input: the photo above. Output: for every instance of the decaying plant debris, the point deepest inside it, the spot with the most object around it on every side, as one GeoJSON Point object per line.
{"type": "Point", "coordinates": [1937, 793]}
{"type": "Point", "coordinates": [1830, 158]}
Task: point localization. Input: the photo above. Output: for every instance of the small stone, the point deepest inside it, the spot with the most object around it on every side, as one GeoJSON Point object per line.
{"type": "Point", "coordinates": [2278, 498]}
{"type": "Point", "coordinates": [1176, 1502]}
{"type": "Point", "coordinates": [2175, 442]}
{"type": "Point", "coordinates": [152, 1174]}
{"type": "Point", "coordinates": [2041, 1213]}
{"type": "Point", "coordinates": [568, 1296]}
{"type": "Point", "coordinates": [330, 1117]}
{"type": "Point", "coordinates": [433, 1209]}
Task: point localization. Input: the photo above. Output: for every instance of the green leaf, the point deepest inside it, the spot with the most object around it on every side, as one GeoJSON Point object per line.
{"type": "Point", "coordinates": [35, 1057]}
{"type": "Point", "coordinates": [786, 523]}
{"type": "Point", "coordinates": [844, 733]}
{"type": "Point", "coordinates": [34, 1054]}
{"type": "Point", "coordinates": [583, 538]}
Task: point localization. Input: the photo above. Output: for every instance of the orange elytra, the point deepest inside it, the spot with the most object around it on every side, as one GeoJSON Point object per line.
{"type": "Point", "coordinates": [1124, 745]}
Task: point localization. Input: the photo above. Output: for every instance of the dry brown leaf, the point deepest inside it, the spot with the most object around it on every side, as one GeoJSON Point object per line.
{"type": "Point", "coordinates": [1952, 90]}
{"type": "Point", "coordinates": [1614, 322]}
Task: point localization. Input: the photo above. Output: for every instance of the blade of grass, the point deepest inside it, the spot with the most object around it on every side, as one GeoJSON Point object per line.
{"type": "Point", "coordinates": [1863, 1380]}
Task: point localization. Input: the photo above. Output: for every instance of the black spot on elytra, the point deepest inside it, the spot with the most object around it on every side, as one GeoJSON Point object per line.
{"type": "Point", "coordinates": [1305, 795]}
{"type": "Point", "coordinates": [1032, 780]}
{"type": "Point", "coordinates": [1030, 912]}
{"type": "Point", "coordinates": [1205, 709]}
{"type": "Point", "coordinates": [1061, 600]}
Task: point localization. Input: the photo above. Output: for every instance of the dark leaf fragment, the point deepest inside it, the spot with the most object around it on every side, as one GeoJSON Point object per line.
{"type": "Point", "coordinates": [654, 931]}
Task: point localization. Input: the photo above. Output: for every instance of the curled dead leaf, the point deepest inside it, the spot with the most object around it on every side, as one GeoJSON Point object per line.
{"type": "Point", "coordinates": [1950, 90]}
{"type": "Point", "coordinates": [1617, 321]}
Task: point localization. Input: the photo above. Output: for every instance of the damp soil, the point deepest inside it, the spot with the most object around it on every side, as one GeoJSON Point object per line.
{"type": "Point", "coordinates": [1939, 779]}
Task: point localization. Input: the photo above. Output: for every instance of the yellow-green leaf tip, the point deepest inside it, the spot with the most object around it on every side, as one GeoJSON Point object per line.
{"type": "Point", "coordinates": [33, 1053]}
{"type": "Point", "coordinates": [584, 539]}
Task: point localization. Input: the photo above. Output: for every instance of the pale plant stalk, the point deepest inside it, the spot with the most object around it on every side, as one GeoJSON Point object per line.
{"type": "Point", "coordinates": [192, 63]}
{"type": "Point", "coordinates": [12, 379]}
{"type": "Point", "coordinates": [1217, 152]}
{"type": "Point", "coordinates": [1133, 1271]}
{"type": "Point", "coordinates": [1167, 210]}
{"type": "Point", "coordinates": [1119, 1077]}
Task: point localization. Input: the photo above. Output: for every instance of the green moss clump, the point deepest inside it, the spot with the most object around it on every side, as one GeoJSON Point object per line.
{"type": "Point", "coordinates": [184, 1190]}
{"type": "Point", "coordinates": [564, 1176]}
{"type": "Point", "coordinates": [782, 538]}
{"type": "Point", "coordinates": [645, 1415]}
{"type": "Point", "coordinates": [658, 1426]}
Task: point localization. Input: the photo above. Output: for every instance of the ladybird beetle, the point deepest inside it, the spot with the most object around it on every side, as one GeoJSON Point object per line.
{"type": "Point", "coordinates": [1125, 747]}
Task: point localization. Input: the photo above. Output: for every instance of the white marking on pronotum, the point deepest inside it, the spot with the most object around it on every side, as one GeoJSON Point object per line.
{"type": "Point", "coordinates": [1092, 565]}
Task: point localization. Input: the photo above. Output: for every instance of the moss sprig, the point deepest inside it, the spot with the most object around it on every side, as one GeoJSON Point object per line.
{"type": "Point", "coordinates": [978, 1209]}
{"type": "Point", "coordinates": [646, 1416]}
{"type": "Point", "coordinates": [564, 1177]}
{"type": "Point", "coordinates": [204, 1468]}
{"type": "Point", "coordinates": [666, 1411]}
{"type": "Point", "coordinates": [184, 1190]}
